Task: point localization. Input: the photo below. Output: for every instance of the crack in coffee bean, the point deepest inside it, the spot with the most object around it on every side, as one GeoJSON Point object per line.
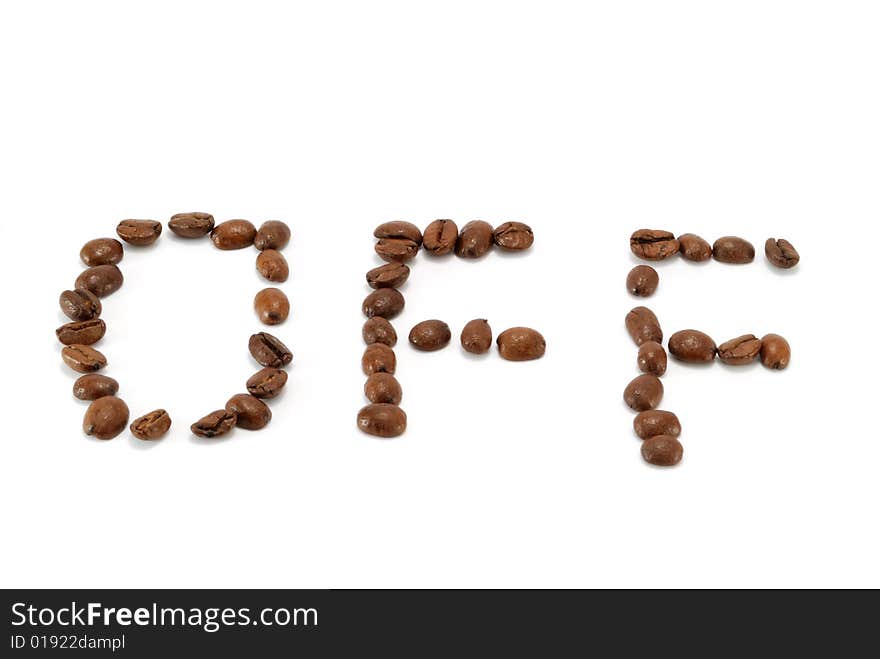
{"type": "Point", "coordinates": [215, 424]}
{"type": "Point", "coordinates": [191, 225]}
{"type": "Point", "coordinates": [781, 253]}
{"type": "Point", "coordinates": [139, 232]}
{"type": "Point", "coordinates": [151, 426]}
{"type": "Point", "coordinates": [440, 237]}
{"type": "Point", "coordinates": [83, 359]}
{"type": "Point", "coordinates": [83, 332]}
{"type": "Point", "coordinates": [654, 244]}
{"type": "Point", "coordinates": [740, 351]}
{"type": "Point", "coordinates": [269, 351]}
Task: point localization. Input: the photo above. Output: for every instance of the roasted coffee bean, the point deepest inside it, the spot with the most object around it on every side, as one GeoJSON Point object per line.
{"type": "Point", "coordinates": [643, 326]}
{"type": "Point", "coordinates": [775, 352]}
{"type": "Point", "coordinates": [399, 230]}
{"type": "Point", "coordinates": [390, 275]}
{"type": "Point", "coordinates": [83, 359]}
{"type": "Point", "coordinates": [378, 358]}
{"type": "Point", "coordinates": [272, 306]}
{"type": "Point", "coordinates": [514, 236]}
{"type": "Point", "coordinates": [152, 426]}
{"type": "Point", "coordinates": [267, 383]}
{"type": "Point", "coordinates": [692, 347]}
{"type": "Point", "coordinates": [740, 351]}
{"type": "Point", "coordinates": [139, 232]}
{"type": "Point", "coordinates": [383, 388]}
{"type": "Point", "coordinates": [214, 424]}
{"type": "Point", "coordinates": [94, 386]}
{"type": "Point", "coordinates": [642, 281]}
{"type": "Point", "coordinates": [84, 332]}
{"type": "Point", "coordinates": [662, 451]}
{"type": "Point", "coordinates": [656, 422]}
{"type": "Point", "coordinates": [643, 393]}
{"type": "Point", "coordinates": [520, 344]}
{"type": "Point", "coordinates": [80, 304]}
{"type": "Point", "coordinates": [440, 237]}
{"type": "Point", "coordinates": [385, 303]}
{"type": "Point", "coordinates": [653, 244]}
{"type": "Point", "coordinates": [382, 420]}
{"type": "Point", "coordinates": [250, 412]}
{"type": "Point", "coordinates": [233, 234]}
{"type": "Point", "coordinates": [269, 350]}
{"type": "Point", "coordinates": [106, 418]}
{"type": "Point", "coordinates": [272, 265]}
{"type": "Point", "coordinates": [475, 240]}
{"type": "Point", "coordinates": [781, 253]}
{"type": "Point", "coordinates": [731, 249]}
{"type": "Point", "coordinates": [191, 225]}
{"type": "Point", "coordinates": [430, 335]}
{"type": "Point", "coordinates": [694, 248]}
{"type": "Point", "coordinates": [397, 249]}
{"type": "Point", "coordinates": [272, 235]}
{"type": "Point", "coordinates": [102, 251]}
{"type": "Point", "coordinates": [652, 359]}
{"type": "Point", "coordinates": [476, 337]}
{"type": "Point", "coordinates": [102, 280]}
{"type": "Point", "coordinates": [379, 330]}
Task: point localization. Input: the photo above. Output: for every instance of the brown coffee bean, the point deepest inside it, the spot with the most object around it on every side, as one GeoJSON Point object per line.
{"type": "Point", "coordinates": [379, 330]}
{"type": "Point", "coordinates": [94, 386]}
{"type": "Point", "coordinates": [273, 266]}
{"type": "Point", "coordinates": [643, 393]}
{"type": "Point", "coordinates": [139, 232]}
{"type": "Point", "coordinates": [385, 302]}
{"type": "Point", "coordinates": [653, 244]}
{"type": "Point", "coordinates": [83, 359]}
{"type": "Point", "coordinates": [519, 344]}
{"type": "Point", "coordinates": [272, 306]}
{"type": "Point", "coordinates": [102, 251]}
{"type": "Point", "coordinates": [250, 412]}
{"type": "Point", "coordinates": [267, 383]}
{"type": "Point", "coordinates": [214, 424]}
{"type": "Point", "coordinates": [775, 352]}
{"type": "Point", "coordinates": [642, 281]}
{"type": "Point", "coordinates": [106, 418]}
{"type": "Point", "coordinates": [692, 347]}
{"type": "Point", "coordinates": [382, 420]}
{"type": "Point", "coordinates": [378, 358]}
{"type": "Point", "coordinates": [740, 351]}
{"type": "Point", "coordinates": [781, 253]}
{"type": "Point", "coordinates": [84, 332]}
{"type": "Point", "coordinates": [80, 304]}
{"type": "Point", "coordinates": [430, 335]}
{"type": "Point", "coordinates": [662, 451]}
{"type": "Point", "coordinates": [191, 225]}
{"type": "Point", "coordinates": [475, 240]}
{"type": "Point", "coordinates": [476, 337]}
{"type": "Point", "coordinates": [397, 249]}
{"type": "Point", "coordinates": [390, 275]}
{"type": "Point", "coordinates": [383, 388]}
{"type": "Point", "coordinates": [399, 230]}
{"type": "Point", "coordinates": [652, 359]}
{"type": "Point", "coordinates": [269, 350]}
{"type": "Point", "coordinates": [694, 248]}
{"type": "Point", "coordinates": [440, 237]}
{"type": "Point", "coordinates": [102, 280]}
{"type": "Point", "coordinates": [731, 249]}
{"type": "Point", "coordinates": [152, 426]}
{"type": "Point", "coordinates": [272, 235]}
{"type": "Point", "coordinates": [514, 236]}
{"type": "Point", "coordinates": [643, 326]}
{"type": "Point", "coordinates": [656, 422]}
{"type": "Point", "coordinates": [233, 234]}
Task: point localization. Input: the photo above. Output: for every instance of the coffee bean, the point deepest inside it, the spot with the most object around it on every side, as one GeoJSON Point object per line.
{"type": "Point", "coordinates": [397, 249]}
{"type": "Point", "coordinates": [233, 234]}
{"type": "Point", "coordinates": [652, 359]}
{"type": "Point", "coordinates": [692, 347]}
{"type": "Point", "coordinates": [214, 424]}
{"type": "Point", "coordinates": [775, 352]}
{"type": "Point", "coordinates": [514, 236]}
{"type": "Point", "coordinates": [642, 281]}
{"type": "Point", "coordinates": [399, 231]}
{"type": "Point", "coordinates": [250, 412]}
{"type": "Point", "coordinates": [379, 330]}
{"type": "Point", "coordinates": [106, 418]}
{"type": "Point", "coordinates": [740, 351]}
{"type": "Point", "coordinates": [84, 332]}
{"type": "Point", "coordinates": [191, 225]}
{"type": "Point", "coordinates": [152, 426]}
{"type": "Point", "coordinates": [390, 275]}
{"type": "Point", "coordinates": [781, 253]}
{"type": "Point", "coordinates": [662, 451]}
{"type": "Point", "coordinates": [102, 280]}
{"type": "Point", "coordinates": [80, 304]}
{"type": "Point", "coordinates": [269, 350]}
{"type": "Point", "coordinates": [519, 344]}
{"type": "Point", "coordinates": [440, 237]}
{"type": "Point", "coordinates": [430, 335]}
{"type": "Point", "coordinates": [653, 244]}
{"type": "Point", "coordinates": [476, 337]}
{"type": "Point", "coordinates": [643, 326]}
{"type": "Point", "coordinates": [643, 393]}
{"type": "Point", "coordinates": [139, 232]}
{"type": "Point", "coordinates": [94, 386]}
{"type": "Point", "coordinates": [267, 383]}
{"type": "Point", "coordinates": [102, 251]}
{"type": "Point", "coordinates": [272, 306]}
{"type": "Point", "coordinates": [656, 422]}
{"type": "Point", "coordinates": [382, 420]}
{"type": "Point", "coordinates": [694, 248]}
{"type": "Point", "coordinates": [475, 240]}
{"type": "Point", "coordinates": [731, 249]}
{"type": "Point", "coordinates": [272, 265]}
{"type": "Point", "coordinates": [378, 358]}
{"type": "Point", "coordinates": [272, 235]}
{"type": "Point", "coordinates": [383, 388]}
{"type": "Point", "coordinates": [385, 302]}
{"type": "Point", "coordinates": [83, 359]}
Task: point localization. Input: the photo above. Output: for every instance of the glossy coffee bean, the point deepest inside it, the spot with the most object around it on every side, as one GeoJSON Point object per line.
{"type": "Point", "coordinates": [102, 280]}
{"type": "Point", "coordinates": [440, 237]}
{"type": "Point", "coordinates": [272, 235]}
{"type": "Point", "coordinates": [382, 420]}
{"type": "Point", "coordinates": [273, 266]}
{"type": "Point", "coordinates": [656, 422]}
{"type": "Point", "coordinates": [269, 351]}
{"type": "Point", "coordinates": [476, 337]}
{"type": "Point", "coordinates": [191, 225]}
{"type": "Point", "coordinates": [102, 251]}
{"type": "Point", "coordinates": [740, 351]}
{"type": "Point", "coordinates": [731, 249]}
{"type": "Point", "coordinates": [151, 426]}
{"type": "Point", "coordinates": [250, 412]}
{"type": "Point", "coordinates": [233, 234]}
{"type": "Point", "coordinates": [643, 326]}
{"type": "Point", "coordinates": [693, 248]}
{"type": "Point", "coordinates": [94, 386]}
{"type": "Point", "coordinates": [430, 335]}
{"type": "Point", "coordinates": [642, 281]}
{"type": "Point", "coordinates": [215, 424]}
{"type": "Point", "coordinates": [378, 358]}
{"type": "Point", "coordinates": [692, 347]}
{"type": "Point", "coordinates": [474, 240]}
{"type": "Point", "coordinates": [383, 388]}
{"type": "Point", "coordinates": [106, 418]}
{"type": "Point", "coordinates": [139, 232]}
{"type": "Point", "coordinates": [775, 352]}
{"type": "Point", "coordinates": [662, 451]}
{"type": "Point", "coordinates": [520, 344]}
{"type": "Point", "coordinates": [80, 304]}
{"type": "Point", "coordinates": [84, 332]}
{"type": "Point", "coordinates": [781, 253]}
{"type": "Point", "coordinates": [390, 275]}
{"type": "Point", "coordinates": [397, 249]}
{"type": "Point", "coordinates": [385, 303]}
{"type": "Point", "coordinates": [653, 244]}
{"type": "Point", "coordinates": [379, 330]}
{"type": "Point", "coordinates": [652, 359]}
{"type": "Point", "coordinates": [83, 359]}
{"type": "Point", "coordinates": [514, 236]}
{"type": "Point", "coordinates": [272, 306]}
{"type": "Point", "coordinates": [399, 230]}
{"type": "Point", "coordinates": [267, 383]}
{"type": "Point", "coordinates": [643, 393]}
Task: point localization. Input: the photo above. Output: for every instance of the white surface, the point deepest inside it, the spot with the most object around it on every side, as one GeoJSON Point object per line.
{"type": "Point", "coordinates": [586, 120]}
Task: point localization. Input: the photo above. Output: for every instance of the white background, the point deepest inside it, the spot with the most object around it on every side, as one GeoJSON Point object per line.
{"type": "Point", "coordinates": [585, 120]}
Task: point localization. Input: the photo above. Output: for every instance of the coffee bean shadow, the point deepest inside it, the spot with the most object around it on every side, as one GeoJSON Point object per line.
{"type": "Point", "coordinates": [146, 445]}
{"type": "Point", "coordinates": [211, 441]}
{"type": "Point", "coordinates": [471, 357]}
{"type": "Point", "coordinates": [781, 272]}
{"type": "Point", "coordinates": [745, 368]}
{"type": "Point", "coordinates": [513, 255]}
